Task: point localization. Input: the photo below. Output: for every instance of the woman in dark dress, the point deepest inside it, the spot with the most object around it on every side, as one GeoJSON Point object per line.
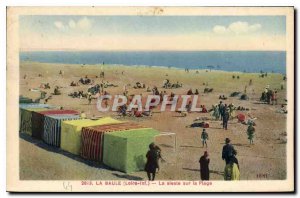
{"type": "Point", "coordinates": [204, 166]}
{"type": "Point", "coordinates": [152, 162]}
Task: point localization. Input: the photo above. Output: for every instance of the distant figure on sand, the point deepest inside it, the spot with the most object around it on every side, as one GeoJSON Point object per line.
{"type": "Point", "coordinates": [274, 97]}
{"type": "Point", "coordinates": [152, 162]}
{"type": "Point", "coordinates": [221, 109]}
{"type": "Point", "coordinates": [225, 117]}
{"type": "Point", "coordinates": [228, 151]}
{"type": "Point", "coordinates": [204, 137]}
{"type": "Point", "coordinates": [82, 115]}
{"type": "Point", "coordinates": [215, 112]}
{"type": "Point", "coordinates": [56, 91]}
{"type": "Point", "coordinates": [204, 166]}
{"type": "Point", "coordinates": [90, 98]}
{"type": "Point", "coordinates": [250, 132]}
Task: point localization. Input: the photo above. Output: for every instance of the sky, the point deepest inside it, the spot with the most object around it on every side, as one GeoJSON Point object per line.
{"type": "Point", "coordinates": [174, 33]}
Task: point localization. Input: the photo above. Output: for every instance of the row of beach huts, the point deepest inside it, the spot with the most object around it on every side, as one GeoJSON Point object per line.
{"type": "Point", "coordinates": [118, 144]}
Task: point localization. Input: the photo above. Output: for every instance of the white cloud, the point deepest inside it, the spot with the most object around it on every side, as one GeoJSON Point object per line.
{"type": "Point", "coordinates": [81, 24]}
{"type": "Point", "coordinates": [238, 27]}
{"type": "Point", "coordinates": [59, 24]}
{"type": "Point", "coordinates": [219, 29]}
{"type": "Point", "coordinates": [84, 23]}
{"type": "Point", "coordinates": [72, 24]}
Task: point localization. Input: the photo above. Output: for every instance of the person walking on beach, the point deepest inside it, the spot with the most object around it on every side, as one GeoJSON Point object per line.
{"type": "Point", "coordinates": [250, 132]}
{"type": "Point", "coordinates": [204, 166]}
{"type": "Point", "coordinates": [225, 118]}
{"type": "Point", "coordinates": [204, 137]}
{"type": "Point", "coordinates": [228, 151]}
{"type": "Point", "coordinates": [152, 162]}
{"type": "Point", "coordinates": [221, 109]}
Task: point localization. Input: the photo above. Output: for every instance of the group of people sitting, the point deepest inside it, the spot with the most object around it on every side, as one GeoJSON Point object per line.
{"type": "Point", "coordinates": [45, 86]}
{"type": "Point", "coordinates": [78, 94]}
{"type": "Point", "coordinates": [222, 97]}
{"type": "Point", "coordinates": [168, 85]}
{"type": "Point", "coordinates": [73, 84]}
{"type": "Point", "coordinates": [85, 81]}
{"type": "Point", "coordinates": [190, 92]}
{"type": "Point", "coordinates": [123, 111]}
{"type": "Point", "coordinates": [139, 85]}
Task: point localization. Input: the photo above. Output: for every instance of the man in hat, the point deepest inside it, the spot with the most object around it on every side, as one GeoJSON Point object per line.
{"type": "Point", "coordinates": [204, 137]}
{"type": "Point", "coordinates": [204, 166]}
{"type": "Point", "coordinates": [228, 151]}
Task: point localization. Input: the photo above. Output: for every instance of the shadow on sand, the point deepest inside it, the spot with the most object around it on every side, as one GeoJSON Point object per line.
{"type": "Point", "coordinates": [129, 177]}
{"type": "Point", "coordinates": [244, 145]}
{"type": "Point", "coordinates": [187, 146]}
{"type": "Point", "coordinates": [210, 171]}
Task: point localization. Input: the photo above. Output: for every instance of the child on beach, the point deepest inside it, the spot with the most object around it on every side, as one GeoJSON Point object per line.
{"type": "Point", "coordinates": [204, 137]}
{"type": "Point", "coordinates": [250, 133]}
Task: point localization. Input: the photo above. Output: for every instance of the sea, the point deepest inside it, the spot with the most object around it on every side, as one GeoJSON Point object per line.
{"type": "Point", "coordinates": [240, 61]}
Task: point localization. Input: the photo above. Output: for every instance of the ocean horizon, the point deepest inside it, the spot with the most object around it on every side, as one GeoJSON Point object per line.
{"type": "Point", "coordinates": [239, 61]}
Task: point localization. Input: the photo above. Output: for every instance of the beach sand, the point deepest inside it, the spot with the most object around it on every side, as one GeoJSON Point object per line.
{"type": "Point", "coordinates": [267, 155]}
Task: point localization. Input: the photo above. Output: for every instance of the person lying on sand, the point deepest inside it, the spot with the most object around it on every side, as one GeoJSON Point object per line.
{"type": "Point", "coordinates": [282, 110]}
{"type": "Point", "coordinates": [222, 97]}
{"type": "Point", "coordinates": [202, 124]}
{"type": "Point", "coordinates": [73, 84]}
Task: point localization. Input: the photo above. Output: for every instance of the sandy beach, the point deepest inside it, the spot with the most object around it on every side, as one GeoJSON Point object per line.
{"type": "Point", "coordinates": [267, 156]}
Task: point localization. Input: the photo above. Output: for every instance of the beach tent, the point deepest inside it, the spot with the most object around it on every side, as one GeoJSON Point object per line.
{"type": "Point", "coordinates": [34, 105]}
{"type": "Point", "coordinates": [52, 128]}
{"type": "Point", "coordinates": [23, 99]}
{"type": "Point", "coordinates": [71, 132]}
{"type": "Point", "coordinates": [126, 150]}
{"type": "Point", "coordinates": [26, 119]}
{"type": "Point", "coordinates": [31, 106]}
{"type": "Point", "coordinates": [38, 120]}
{"type": "Point", "coordinates": [92, 138]}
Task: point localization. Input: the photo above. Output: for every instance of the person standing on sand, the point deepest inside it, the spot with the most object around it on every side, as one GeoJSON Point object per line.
{"type": "Point", "coordinates": [228, 151]}
{"type": "Point", "coordinates": [231, 171]}
{"type": "Point", "coordinates": [204, 137]}
{"type": "Point", "coordinates": [221, 109]}
{"type": "Point", "coordinates": [204, 166]}
{"type": "Point", "coordinates": [225, 118]}
{"type": "Point", "coordinates": [152, 162]}
{"type": "Point", "coordinates": [90, 98]}
{"type": "Point", "coordinates": [250, 132]}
